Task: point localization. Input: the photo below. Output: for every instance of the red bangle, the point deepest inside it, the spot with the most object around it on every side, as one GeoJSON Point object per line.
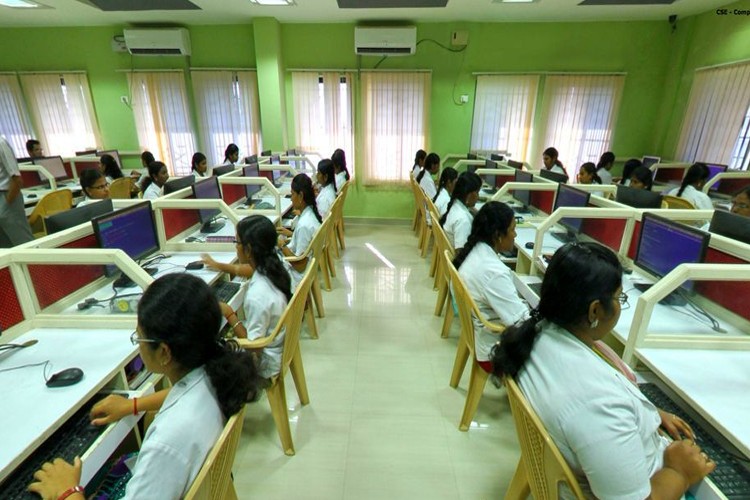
{"type": "Point", "coordinates": [70, 491]}
{"type": "Point", "coordinates": [135, 409]}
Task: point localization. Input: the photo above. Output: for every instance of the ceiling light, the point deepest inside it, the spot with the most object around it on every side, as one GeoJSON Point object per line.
{"type": "Point", "coordinates": [276, 3]}
{"type": "Point", "coordinates": [19, 4]}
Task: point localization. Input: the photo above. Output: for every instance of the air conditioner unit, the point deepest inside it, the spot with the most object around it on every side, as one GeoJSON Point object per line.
{"type": "Point", "coordinates": [379, 41]}
{"type": "Point", "coordinates": [158, 42]}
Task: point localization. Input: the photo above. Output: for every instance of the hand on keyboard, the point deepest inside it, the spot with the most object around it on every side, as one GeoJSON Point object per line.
{"type": "Point", "coordinates": [58, 477]}
{"type": "Point", "coordinates": [675, 426]}
{"type": "Point", "coordinates": [688, 460]}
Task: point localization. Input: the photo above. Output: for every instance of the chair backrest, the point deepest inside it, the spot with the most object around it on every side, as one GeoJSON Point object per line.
{"type": "Point", "coordinates": [676, 202]}
{"type": "Point", "coordinates": [214, 478]}
{"type": "Point", "coordinates": [52, 203]}
{"type": "Point", "coordinates": [318, 242]}
{"type": "Point", "coordinates": [417, 192]}
{"type": "Point", "coordinates": [337, 209]}
{"type": "Point", "coordinates": [120, 188]}
{"type": "Point", "coordinates": [544, 464]}
{"type": "Point", "coordinates": [291, 320]}
{"type": "Point", "coordinates": [465, 304]}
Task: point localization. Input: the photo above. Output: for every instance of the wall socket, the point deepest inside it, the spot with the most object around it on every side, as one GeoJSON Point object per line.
{"type": "Point", "coordinates": [460, 38]}
{"type": "Point", "coordinates": [464, 98]}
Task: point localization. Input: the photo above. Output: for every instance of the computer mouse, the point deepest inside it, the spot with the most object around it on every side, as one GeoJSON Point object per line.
{"type": "Point", "coordinates": [31, 196]}
{"type": "Point", "coordinates": [529, 245]}
{"type": "Point", "coordinates": [66, 377]}
{"type": "Point", "coordinates": [194, 266]}
{"type": "Point", "coordinates": [190, 239]}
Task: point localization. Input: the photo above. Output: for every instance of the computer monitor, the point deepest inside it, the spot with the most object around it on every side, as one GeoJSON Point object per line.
{"type": "Point", "coordinates": [251, 189]}
{"type": "Point", "coordinates": [638, 198]}
{"type": "Point", "coordinates": [54, 165]}
{"type": "Point", "coordinates": [471, 156]}
{"type": "Point", "coordinates": [291, 152]}
{"type": "Point", "coordinates": [131, 229]}
{"type": "Point", "coordinates": [251, 159]}
{"type": "Point", "coordinates": [523, 195]}
{"type": "Point", "coordinates": [179, 183]}
{"type": "Point", "coordinates": [113, 153]}
{"type": "Point", "coordinates": [87, 152]}
{"type": "Point", "coordinates": [488, 179]}
{"type": "Point", "coordinates": [275, 159]}
{"type": "Point", "coordinates": [267, 152]}
{"type": "Point", "coordinates": [472, 168]}
{"type": "Point", "coordinates": [713, 170]}
{"type": "Point", "coordinates": [650, 160]}
{"type": "Point", "coordinates": [553, 176]}
{"type": "Point", "coordinates": [77, 216]}
{"type": "Point", "coordinates": [665, 244]}
{"type": "Point", "coordinates": [731, 225]}
{"type": "Point", "coordinates": [497, 157]}
{"type": "Point", "coordinates": [208, 189]}
{"type": "Point", "coordinates": [515, 164]}
{"type": "Point", "coordinates": [223, 169]}
{"type": "Point", "coordinates": [568, 196]}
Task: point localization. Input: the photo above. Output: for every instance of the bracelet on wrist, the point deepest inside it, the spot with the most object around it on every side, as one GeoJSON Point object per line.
{"type": "Point", "coordinates": [135, 406]}
{"type": "Point", "coordinates": [235, 324]}
{"type": "Point", "coordinates": [71, 491]}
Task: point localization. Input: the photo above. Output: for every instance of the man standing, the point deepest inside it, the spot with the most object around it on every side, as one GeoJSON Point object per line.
{"type": "Point", "coordinates": [14, 227]}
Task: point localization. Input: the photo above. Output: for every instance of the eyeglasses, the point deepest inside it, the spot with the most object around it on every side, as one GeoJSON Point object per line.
{"type": "Point", "coordinates": [741, 206]}
{"type": "Point", "coordinates": [103, 186]}
{"type": "Point", "coordinates": [134, 339]}
{"type": "Point", "coordinates": [623, 300]}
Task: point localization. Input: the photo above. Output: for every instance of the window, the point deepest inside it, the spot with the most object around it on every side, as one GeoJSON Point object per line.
{"type": "Point", "coordinates": [503, 114]}
{"type": "Point", "coordinates": [323, 112]}
{"type": "Point", "coordinates": [395, 108]}
{"type": "Point", "coordinates": [227, 104]}
{"type": "Point", "coordinates": [162, 118]}
{"type": "Point", "coordinates": [63, 112]}
{"type": "Point", "coordinates": [715, 127]}
{"type": "Point", "coordinates": [14, 122]}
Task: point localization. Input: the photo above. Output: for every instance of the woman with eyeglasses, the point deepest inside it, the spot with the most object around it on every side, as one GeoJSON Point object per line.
{"type": "Point", "coordinates": [94, 186]}
{"type": "Point", "coordinates": [211, 378]}
{"type": "Point", "coordinates": [607, 431]}
{"type": "Point", "coordinates": [741, 202]}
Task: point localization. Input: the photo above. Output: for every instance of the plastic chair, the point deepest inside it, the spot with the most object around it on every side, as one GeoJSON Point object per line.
{"type": "Point", "coordinates": [291, 358]}
{"type": "Point", "coordinates": [429, 207]}
{"type": "Point", "coordinates": [337, 221]}
{"type": "Point", "coordinates": [542, 467]}
{"type": "Point", "coordinates": [50, 204]}
{"type": "Point", "coordinates": [443, 279]}
{"type": "Point", "coordinates": [676, 202]}
{"type": "Point", "coordinates": [214, 479]}
{"type": "Point", "coordinates": [416, 191]}
{"type": "Point", "coordinates": [121, 188]}
{"type": "Point", "coordinates": [467, 309]}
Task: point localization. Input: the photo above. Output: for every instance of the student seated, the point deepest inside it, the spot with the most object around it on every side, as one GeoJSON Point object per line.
{"type": "Point", "coordinates": [94, 186]}
{"type": "Point", "coordinates": [488, 280]}
{"type": "Point", "coordinates": [690, 189]}
{"type": "Point", "coordinates": [231, 154]}
{"type": "Point", "coordinates": [641, 178]}
{"type": "Point", "coordinates": [588, 174]}
{"type": "Point", "coordinates": [211, 381]}
{"type": "Point", "coordinates": [419, 159]}
{"type": "Point", "coordinates": [327, 180]}
{"type": "Point", "coordinates": [303, 200]}
{"type": "Point", "coordinates": [339, 166]}
{"type": "Point", "coordinates": [606, 162]}
{"type": "Point", "coordinates": [607, 431]}
{"type": "Point", "coordinates": [34, 148]}
{"type": "Point", "coordinates": [627, 171]}
{"type": "Point", "coordinates": [199, 166]}
{"type": "Point", "coordinates": [147, 158]}
{"type": "Point", "coordinates": [109, 167]}
{"type": "Point", "coordinates": [430, 167]}
{"type": "Point", "coordinates": [741, 202]}
{"type": "Point", "coordinates": [457, 219]}
{"type": "Point", "coordinates": [153, 185]}
{"type": "Point", "coordinates": [447, 182]}
{"type": "Point", "coordinates": [551, 161]}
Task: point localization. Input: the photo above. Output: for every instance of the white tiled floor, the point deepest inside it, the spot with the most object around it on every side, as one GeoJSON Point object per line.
{"type": "Point", "coordinates": [382, 421]}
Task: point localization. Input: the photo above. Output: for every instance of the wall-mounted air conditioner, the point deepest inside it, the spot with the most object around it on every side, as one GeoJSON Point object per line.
{"type": "Point", "coordinates": [385, 41]}
{"type": "Point", "coordinates": [158, 42]}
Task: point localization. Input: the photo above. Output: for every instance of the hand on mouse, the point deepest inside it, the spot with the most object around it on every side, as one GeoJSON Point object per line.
{"type": "Point", "coordinates": [209, 262]}
{"type": "Point", "coordinates": [55, 478]}
{"type": "Point", "coordinates": [111, 409]}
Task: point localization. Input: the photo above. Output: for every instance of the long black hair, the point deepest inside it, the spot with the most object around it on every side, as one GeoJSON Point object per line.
{"type": "Point", "coordinates": [231, 149]}
{"type": "Point", "coordinates": [303, 185]}
{"type": "Point", "coordinates": [339, 162]}
{"type": "Point", "coordinates": [147, 158]}
{"type": "Point", "coordinates": [554, 154]}
{"type": "Point", "coordinates": [153, 170]}
{"type": "Point", "coordinates": [111, 168]}
{"type": "Point", "coordinates": [491, 222]}
{"type": "Point", "coordinates": [447, 175]}
{"type": "Point", "coordinates": [577, 275]}
{"type": "Point", "coordinates": [326, 168]}
{"type": "Point", "coordinates": [88, 177]}
{"type": "Point", "coordinates": [258, 234]}
{"type": "Point", "coordinates": [181, 311]}
{"type": "Point", "coordinates": [696, 173]}
{"type": "Point", "coordinates": [644, 175]}
{"type": "Point", "coordinates": [629, 168]}
{"type": "Point", "coordinates": [420, 156]}
{"type": "Point", "coordinates": [468, 182]}
{"type": "Point", "coordinates": [607, 158]}
{"type": "Point", "coordinates": [592, 170]}
{"type": "Point", "coordinates": [432, 159]}
{"type": "Point", "coordinates": [197, 159]}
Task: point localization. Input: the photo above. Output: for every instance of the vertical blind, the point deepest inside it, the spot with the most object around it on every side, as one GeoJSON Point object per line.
{"type": "Point", "coordinates": [14, 121]}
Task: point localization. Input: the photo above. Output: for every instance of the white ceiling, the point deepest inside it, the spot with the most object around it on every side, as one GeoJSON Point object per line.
{"type": "Point", "coordinates": [74, 13]}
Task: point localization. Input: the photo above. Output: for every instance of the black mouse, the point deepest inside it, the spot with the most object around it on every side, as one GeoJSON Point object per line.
{"type": "Point", "coordinates": [194, 266]}
{"type": "Point", "coordinates": [66, 377]}
{"type": "Point", "coordinates": [191, 239]}
{"type": "Point", "coordinates": [529, 245]}
{"type": "Point", "coordinates": [31, 196]}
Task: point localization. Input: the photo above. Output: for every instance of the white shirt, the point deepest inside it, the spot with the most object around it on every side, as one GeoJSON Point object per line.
{"type": "Point", "coordinates": [557, 168]}
{"type": "Point", "coordinates": [600, 421]}
{"type": "Point", "coordinates": [303, 233]}
{"type": "Point", "coordinates": [86, 201]}
{"type": "Point", "coordinates": [490, 283]}
{"type": "Point", "coordinates": [263, 305]}
{"type": "Point", "coordinates": [340, 180]}
{"type": "Point", "coordinates": [697, 198]}
{"type": "Point", "coordinates": [325, 199]}
{"type": "Point", "coordinates": [605, 176]}
{"type": "Point", "coordinates": [152, 192]}
{"type": "Point", "coordinates": [178, 441]}
{"type": "Point", "coordinates": [457, 225]}
{"type": "Point", "coordinates": [415, 170]}
{"type": "Point", "coordinates": [8, 164]}
{"type": "Point", "coordinates": [441, 202]}
{"type": "Point", "coordinates": [428, 185]}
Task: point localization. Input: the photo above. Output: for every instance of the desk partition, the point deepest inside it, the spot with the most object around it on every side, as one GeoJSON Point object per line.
{"type": "Point", "coordinates": [669, 173]}
{"type": "Point", "coordinates": [730, 182]}
{"type": "Point", "coordinates": [31, 176]}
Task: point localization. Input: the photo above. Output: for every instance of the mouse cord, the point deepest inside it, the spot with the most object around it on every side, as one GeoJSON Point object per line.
{"type": "Point", "coordinates": [44, 371]}
{"type": "Point", "coordinates": [715, 325]}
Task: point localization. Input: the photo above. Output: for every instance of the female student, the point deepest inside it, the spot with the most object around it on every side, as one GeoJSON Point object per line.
{"type": "Point", "coordinates": [457, 219]}
{"type": "Point", "coordinates": [445, 188]}
{"type": "Point", "coordinates": [551, 162]}
{"type": "Point", "coordinates": [587, 174]}
{"type": "Point", "coordinates": [94, 186]}
{"type": "Point", "coordinates": [418, 162]}
{"type": "Point", "coordinates": [147, 158]}
{"type": "Point", "coordinates": [199, 166]}
{"type": "Point", "coordinates": [430, 167]}
{"type": "Point", "coordinates": [211, 381]}
{"type": "Point", "coordinates": [691, 186]}
{"type": "Point", "coordinates": [488, 280]}
{"type": "Point", "coordinates": [108, 165]}
{"type": "Point", "coordinates": [268, 290]}
{"type": "Point", "coordinates": [641, 178]}
{"type": "Point", "coordinates": [303, 200]}
{"type": "Point", "coordinates": [231, 154]}
{"type": "Point", "coordinates": [606, 430]}
{"type": "Point", "coordinates": [627, 170]}
{"type": "Point", "coordinates": [153, 184]}
{"type": "Point", "coordinates": [741, 202]}
{"type": "Point", "coordinates": [339, 165]}
{"type": "Point", "coordinates": [327, 180]}
{"type": "Point", "coordinates": [606, 161]}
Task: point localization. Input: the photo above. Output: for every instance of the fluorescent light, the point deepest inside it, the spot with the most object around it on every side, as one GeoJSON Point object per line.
{"type": "Point", "coordinates": [19, 4]}
{"type": "Point", "coordinates": [273, 2]}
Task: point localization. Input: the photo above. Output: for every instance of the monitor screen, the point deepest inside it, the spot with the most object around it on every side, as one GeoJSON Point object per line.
{"type": "Point", "coordinates": [54, 165]}
{"type": "Point", "coordinates": [179, 183]}
{"type": "Point", "coordinates": [113, 153]}
{"type": "Point", "coordinates": [223, 169]}
{"type": "Point", "coordinates": [523, 196]}
{"type": "Point", "coordinates": [713, 170]}
{"type": "Point", "coordinates": [638, 198]}
{"type": "Point", "coordinates": [487, 178]}
{"type": "Point", "coordinates": [251, 159]}
{"type": "Point", "coordinates": [665, 244]}
{"type": "Point", "coordinates": [251, 189]}
{"type": "Point", "coordinates": [731, 225]}
{"type": "Point", "coordinates": [472, 168]}
{"type": "Point", "coordinates": [553, 176]}
{"type": "Point", "coordinates": [275, 160]}
{"type": "Point", "coordinates": [131, 229]}
{"type": "Point", "coordinates": [87, 152]}
{"type": "Point", "coordinates": [291, 152]}
{"type": "Point", "coordinates": [568, 196]}
{"type": "Point", "coordinates": [515, 164]}
{"type": "Point", "coordinates": [207, 190]}
{"type": "Point", "coordinates": [77, 216]}
{"type": "Point", "coordinates": [267, 152]}
{"type": "Point", "coordinates": [497, 157]}
{"type": "Point", "coordinates": [650, 160]}
{"type": "Point", "coordinates": [471, 156]}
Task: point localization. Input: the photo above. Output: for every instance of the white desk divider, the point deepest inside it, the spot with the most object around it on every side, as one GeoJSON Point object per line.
{"type": "Point", "coordinates": [509, 171]}
{"type": "Point", "coordinates": [541, 185]}
{"type": "Point", "coordinates": [161, 204]}
{"type": "Point", "coordinates": [267, 167]}
{"type": "Point", "coordinates": [729, 174]}
{"type": "Point", "coordinates": [87, 158]}
{"type": "Point", "coordinates": [40, 170]}
{"type": "Point", "coordinates": [465, 162]}
{"type": "Point", "coordinates": [300, 158]}
{"type": "Point", "coordinates": [666, 165]}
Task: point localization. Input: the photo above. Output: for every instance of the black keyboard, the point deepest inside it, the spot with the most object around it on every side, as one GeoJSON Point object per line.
{"type": "Point", "coordinates": [730, 476]}
{"type": "Point", "coordinates": [225, 290]}
{"type": "Point", "coordinates": [71, 440]}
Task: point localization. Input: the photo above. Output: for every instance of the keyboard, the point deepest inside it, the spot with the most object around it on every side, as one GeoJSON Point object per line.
{"type": "Point", "coordinates": [225, 290]}
{"type": "Point", "coordinates": [219, 239]}
{"type": "Point", "coordinates": [263, 205]}
{"type": "Point", "coordinates": [730, 476]}
{"type": "Point", "coordinates": [71, 440]}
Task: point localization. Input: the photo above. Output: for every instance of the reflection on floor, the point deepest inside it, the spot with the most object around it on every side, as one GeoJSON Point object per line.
{"type": "Point", "coordinates": [382, 422]}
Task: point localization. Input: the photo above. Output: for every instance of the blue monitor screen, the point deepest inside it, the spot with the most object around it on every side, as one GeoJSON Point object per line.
{"type": "Point", "coordinates": [207, 190]}
{"type": "Point", "coordinates": [713, 169]}
{"type": "Point", "coordinates": [131, 229]}
{"type": "Point", "coordinates": [523, 196]}
{"type": "Point", "coordinates": [571, 197]}
{"type": "Point", "coordinates": [251, 171]}
{"type": "Point", "coordinates": [665, 244]}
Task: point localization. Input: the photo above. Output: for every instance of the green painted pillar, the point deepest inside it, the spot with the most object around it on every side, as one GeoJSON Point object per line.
{"type": "Point", "coordinates": [270, 66]}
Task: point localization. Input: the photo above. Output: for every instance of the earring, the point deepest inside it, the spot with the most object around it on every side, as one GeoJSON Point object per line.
{"type": "Point", "coordinates": [595, 323]}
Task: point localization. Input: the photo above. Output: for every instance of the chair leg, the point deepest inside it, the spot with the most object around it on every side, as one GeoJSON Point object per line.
{"type": "Point", "coordinates": [519, 486]}
{"type": "Point", "coordinates": [424, 241]}
{"type": "Point", "coordinates": [277, 400]}
{"type": "Point", "coordinates": [310, 318]}
{"type": "Point", "coordinates": [448, 320]}
{"type": "Point", "coordinates": [331, 267]}
{"type": "Point", "coordinates": [323, 268]}
{"type": "Point", "coordinates": [340, 234]}
{"type": "Point", "coordinates": [476, 387]}
{"type": "Point", "coordinates": [298, 375]}
{"type": "Point", "coordinates": [318, 298]}
{"type": "Point", "coordinates": [462, 355]}
{"type": "Point", "coordinates": [442, 295]}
